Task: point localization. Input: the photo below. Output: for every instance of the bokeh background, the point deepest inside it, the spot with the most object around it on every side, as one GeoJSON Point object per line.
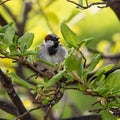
{"type": "Point", "coordinates": [46, 16]}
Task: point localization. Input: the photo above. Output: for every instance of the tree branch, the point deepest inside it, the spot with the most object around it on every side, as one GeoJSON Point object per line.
{"type": "Point", "coordinates": [10, 13]}
{"type": "Point", "coordinates": [6, 83]}
{"type": "Point", "coordinates": [87, 117]}
{"type": "Point", "coordinates": [4, 2]}
{"type": "Point", "coordinates": [89, 5]}
{"type": "Point", "coordinates": [115, 6]}
{"type": "Point", "coordinates": [21, 25]}
{"type": "Point", "coordinates": [2, 21]}
{"type": "Point", "coordinates": [8, 107]}
{"type": "Point", "coordinates": [45, 16]}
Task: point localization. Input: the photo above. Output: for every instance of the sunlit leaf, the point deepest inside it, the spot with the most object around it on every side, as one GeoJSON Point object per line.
{"type": "Point", "coordinates": [84, 41]}
{"type": "Point", "coordinates": [94, 62]}
{"type": "Point", "coordinates": [70, 37]}
{"type": "Point", "coordinates": [104, 69]}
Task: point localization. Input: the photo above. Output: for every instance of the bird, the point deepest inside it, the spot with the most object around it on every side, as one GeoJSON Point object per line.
{"type": "Point", "coordinates": [51, 51]}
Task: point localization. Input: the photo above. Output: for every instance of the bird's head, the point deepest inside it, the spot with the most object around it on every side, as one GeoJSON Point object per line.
{"type": "Point", "coordinates": [51, 40]}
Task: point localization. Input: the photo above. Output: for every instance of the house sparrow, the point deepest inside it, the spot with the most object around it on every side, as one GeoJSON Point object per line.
{"type": "Point", "coordinates": [52, 52]}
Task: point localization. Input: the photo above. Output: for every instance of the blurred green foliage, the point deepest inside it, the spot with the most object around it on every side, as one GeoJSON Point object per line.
{"type": "Point", "coordinates": [47, 16]}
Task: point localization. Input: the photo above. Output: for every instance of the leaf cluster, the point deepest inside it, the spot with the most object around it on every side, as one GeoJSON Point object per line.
{"type": "Point", "coordinates": [106, 89]}
{"type": "Point", "coordinates": [12, 46]}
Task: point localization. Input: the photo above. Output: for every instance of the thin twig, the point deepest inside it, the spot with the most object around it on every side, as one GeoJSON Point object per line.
{"type": "Point", "coordinates": [96, 110]}
{"type": "Point", "coordinates": [21, 116]}
{"type": "Point", "coordinates": [47, 112]}
{"type": "Point", "coordinates": [4, 2]}
{"type": "Point", "coordinates": [45, 16]}
{"type": "Point", "coordinates": [83, 58]}
{"type": "Point", "coordinates": [88, 5]}
{"type": "Point", "coordinates": [21, 25]}
{"type": "Point", "coordinates": [10, 13]}
{"type": "Point", "coordinates": [71, 88]}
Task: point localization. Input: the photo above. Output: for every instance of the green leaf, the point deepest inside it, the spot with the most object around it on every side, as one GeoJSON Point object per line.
{"type": "Point", "coordinates": [3, 46]}
{"type": "Point", "coordinates": [27, 53]}
{"type": "Point", "coordinates": [113, 80]}
{"type": "Point", "coordinates": [103, 90]}
{"type": "Point", "coordinates": [12, 47]}
{"type": "Point", "coordinates": [104, 69]}
{"type": "Point", "coordinates": [106, 115]}
{"type": "Point", "coordinates": [70, 37]}
{"type": "Point", "coordinates": [95, 80]}
{"type": "Point", "coordinates": [4, 28]}
{"type": "Point", "coordinates": [70, 63]}
{"type": "Point", "coordinates": [94, 62]}
{"type": "Point", "coordinates": [84, 41]}
{"type": "Point", "coordinates": [9, 34]}
{"type": "Point", "coordinates": [15, 53]}
{"type": "Point", "coordinates": [82, 87]}
{"type": "Point", "coordinates": [99, 75]}
{"type": "Point", "coordinates": [110, 85]}
{"type": "Point", "coordinates": [20, 81]}
{"type": "Point", "coordinates": [25, 41]}
{"type": "Point", "coordinates": [15, 40]}
{"type": "Point", "coordinates": [73, 63]}
{"type": "Point", "coordinates": [55, 79]}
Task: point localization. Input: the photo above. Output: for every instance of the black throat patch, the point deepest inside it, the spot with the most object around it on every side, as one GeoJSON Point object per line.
{"type": "Point", "coordinates": [52, 50]}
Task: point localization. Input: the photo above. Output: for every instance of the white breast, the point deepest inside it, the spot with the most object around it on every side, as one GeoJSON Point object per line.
{"type": "Point", "coordinates": [55, 59]}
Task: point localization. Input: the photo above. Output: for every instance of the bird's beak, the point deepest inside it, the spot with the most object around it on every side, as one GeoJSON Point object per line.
{"type": "Point", "coordinates": [57, 38]}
